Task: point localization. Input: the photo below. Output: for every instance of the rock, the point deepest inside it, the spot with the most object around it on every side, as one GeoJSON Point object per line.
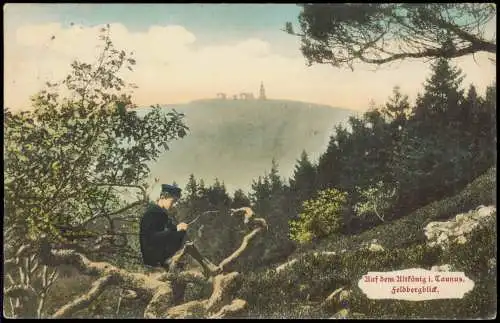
{"type": "Point", "coordinates": [337, 302]}
{"type": "Point", "coordinates": [458, 229]}
{"type": "Point", "coordinates": [485, 211]}
{"type": "Point", "coordinates": [460, 218]}
{"type": "Point", "coordinates": [441, 268]}
{"type": "Point", "coordinates": [375, 247]}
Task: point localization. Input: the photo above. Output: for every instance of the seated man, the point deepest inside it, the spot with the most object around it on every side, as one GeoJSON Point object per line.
{"type": "Point", "coordinates": [160, 238]}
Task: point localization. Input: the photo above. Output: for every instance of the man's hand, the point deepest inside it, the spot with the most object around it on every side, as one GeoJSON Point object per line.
{"type": "Point", "coordinates": [182, 226]}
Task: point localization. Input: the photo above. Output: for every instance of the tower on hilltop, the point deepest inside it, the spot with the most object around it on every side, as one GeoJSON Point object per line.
{"type": "Point", "coordinates": [262, 92]}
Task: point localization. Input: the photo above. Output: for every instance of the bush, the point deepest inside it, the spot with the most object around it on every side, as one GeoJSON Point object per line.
{"type": "Point", "coordinates": [321, 216]}
{"type": "Point", "coordinates": [376, 199]}
{"type": "Point", "coordinates": [409, 230]}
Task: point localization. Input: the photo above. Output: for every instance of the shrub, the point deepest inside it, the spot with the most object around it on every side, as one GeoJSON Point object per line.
{"type": "Point", "coordinates": [320, 217]}
{"type": "Point", "coordinates": [376, 199]}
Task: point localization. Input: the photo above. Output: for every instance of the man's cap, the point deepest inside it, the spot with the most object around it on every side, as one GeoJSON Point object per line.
{"type": "Point", "coordinates": [171, 190]}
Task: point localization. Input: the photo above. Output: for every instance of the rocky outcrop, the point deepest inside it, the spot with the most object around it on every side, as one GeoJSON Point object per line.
{"type": "Point", "coordinates": [441, 268]}
{"type": "Point", "coordinates": [458, 230]}
{"type": "Point", "coordinates": [373, 245]}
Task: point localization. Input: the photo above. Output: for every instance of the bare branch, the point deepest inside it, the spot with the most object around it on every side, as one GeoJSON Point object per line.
{"type": "Point", "coordinates": [246, 240]}
{"type": "Point", "coordinates": [125, 208]}
{"type": "Point", "coordinates": [221, 286]}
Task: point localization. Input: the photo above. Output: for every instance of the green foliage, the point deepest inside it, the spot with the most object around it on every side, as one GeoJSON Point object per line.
{"type": "Point", "coordinates": [376, 199]}
{"type": "Point", "coordinates": [429, 150]}
{"type": "Point", "coordinates": [398, 107]}
{"type": "Point", "coordinates": [240, 199]}
{"type": "Point", "coordinates": [320, 217]}
{"type": "Point", "coordinates": [79, 140]}
{"type": "Point", "coordinates": [479, 192]}
{"type": "Point", "coordinates": [345, 34]}
{"type": "Point", "coordinates": [270, 200]}
{"type": "Point", "coordinates": [216, 234]}
{"type": "Point", "coordinates": [303, 182]}
{"type": "Point", "coordinates": [442, 95]}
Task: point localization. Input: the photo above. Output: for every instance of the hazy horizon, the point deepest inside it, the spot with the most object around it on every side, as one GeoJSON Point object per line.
{"type": "Point", "coordinates": [188, 52]}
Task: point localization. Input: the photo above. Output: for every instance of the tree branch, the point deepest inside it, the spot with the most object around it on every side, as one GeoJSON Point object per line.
{"type": "Point", "coordinates": [432, 53]}
{"type": "Point", "coordinates": [159, 292]}
{"type": "Point", "coordinates": [143, 190]}
{"type": "Point", "coordinates": [246, 240]}
{"type": "Point", "coordinates": [221, 287]}
{"type": "Point", "coordinates": [490, 47]}
{"type": "Point", "coordinates": [237, 306]}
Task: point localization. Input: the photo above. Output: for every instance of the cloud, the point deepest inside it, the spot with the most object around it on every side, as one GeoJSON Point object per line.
{"type": "Point", "coordinates": [172, 68]}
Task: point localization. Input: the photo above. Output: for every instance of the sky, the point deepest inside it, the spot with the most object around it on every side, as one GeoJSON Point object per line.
{"type": "Point", "coordinates": [186, 52]}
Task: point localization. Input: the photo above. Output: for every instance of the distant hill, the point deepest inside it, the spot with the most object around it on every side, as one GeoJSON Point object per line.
{"type": "Point", "coordinates": [235, 140]}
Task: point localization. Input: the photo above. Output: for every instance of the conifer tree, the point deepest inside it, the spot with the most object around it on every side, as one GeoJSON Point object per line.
{"type": "Point", "coordinates": [303, 182]}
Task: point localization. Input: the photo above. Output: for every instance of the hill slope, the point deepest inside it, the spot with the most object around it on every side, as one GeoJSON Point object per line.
{"type": "Point", "coordinates": [300, 288]}
{"type": "Point", "coordinates": [235, 140]}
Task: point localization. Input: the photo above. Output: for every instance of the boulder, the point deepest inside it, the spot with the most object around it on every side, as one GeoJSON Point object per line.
{"type": "Point", "coordinates": [458, 230]}
{"type": "Point", "coordinates": [375, 247]}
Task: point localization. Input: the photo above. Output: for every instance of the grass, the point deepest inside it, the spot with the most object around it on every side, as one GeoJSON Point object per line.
{"type": "Point", "coordinates": [299, 291]}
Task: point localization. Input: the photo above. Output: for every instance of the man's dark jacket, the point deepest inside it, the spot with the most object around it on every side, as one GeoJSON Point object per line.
{"type": "Point", "coordinates": [159, 238]}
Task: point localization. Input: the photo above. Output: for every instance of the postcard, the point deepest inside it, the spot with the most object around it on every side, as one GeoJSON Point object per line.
{"type": "Point", "coordinates": [250, 161]}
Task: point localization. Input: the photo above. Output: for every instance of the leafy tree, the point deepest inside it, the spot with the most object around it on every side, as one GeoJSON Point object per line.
{"type": "Point", "coordinates": [344, 34]}
{"type": "Point", "coordinates": [201, 187]}
{"type": "Point", "coordinates": [376, 199]}
{"type": "Point", "coordinates": [321, 216]}
{"type": "Point", "coordinates": [66, 157]}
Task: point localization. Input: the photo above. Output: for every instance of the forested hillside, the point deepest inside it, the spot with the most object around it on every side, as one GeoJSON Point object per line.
{"type": "Point", "coordinates": [235, 140]}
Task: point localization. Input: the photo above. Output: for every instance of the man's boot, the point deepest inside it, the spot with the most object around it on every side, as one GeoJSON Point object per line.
{"type": "Point", "coordinates": [209, 268]}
